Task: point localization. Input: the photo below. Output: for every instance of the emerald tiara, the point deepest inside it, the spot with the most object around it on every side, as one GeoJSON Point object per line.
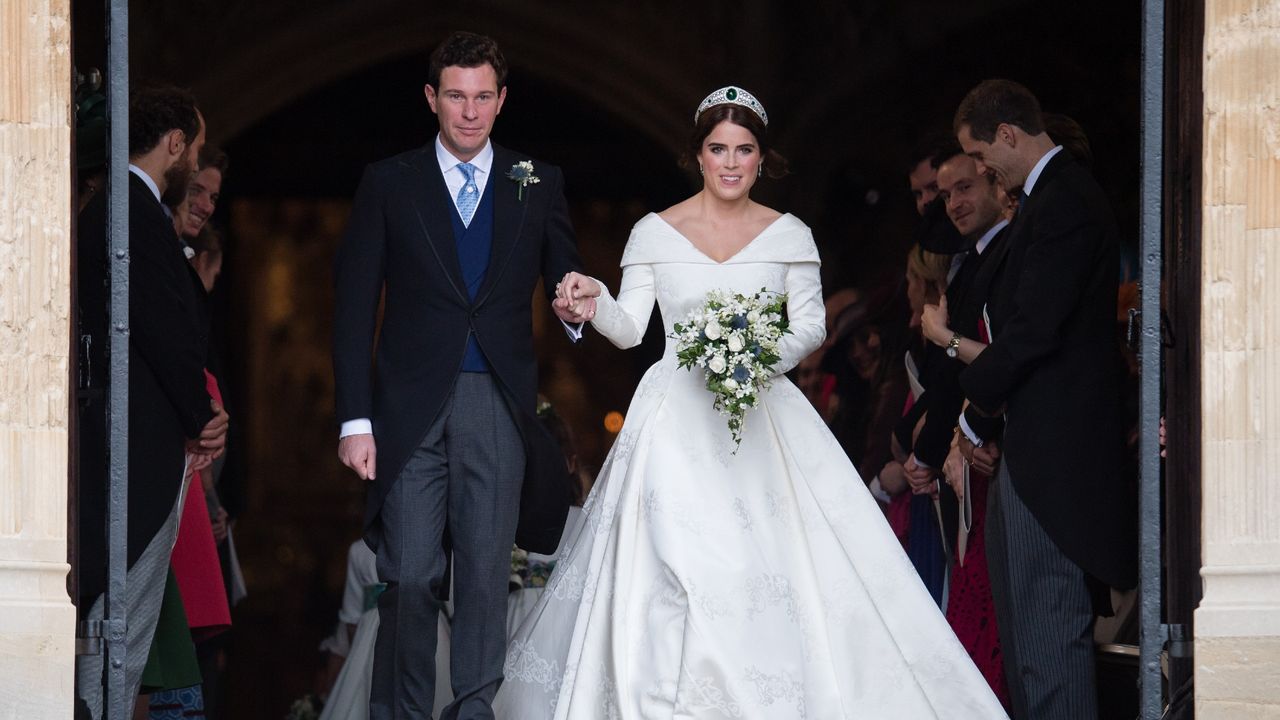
{"type": "Point", "coordinates": [734, 96]}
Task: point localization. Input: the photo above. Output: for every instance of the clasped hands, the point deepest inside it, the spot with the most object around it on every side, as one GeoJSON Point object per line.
{"type": "Point", "coordinates": [575, 300]}
{"type": "Point", "coordinates": [983, 459]}
{"type": "Point", "coordinates": [964, 452]}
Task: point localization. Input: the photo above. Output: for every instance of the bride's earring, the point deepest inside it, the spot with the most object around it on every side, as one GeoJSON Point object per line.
{"type": "Point", "coordinates": [700, 172]}
{"type": "Point", "coordinates": [760, 170]}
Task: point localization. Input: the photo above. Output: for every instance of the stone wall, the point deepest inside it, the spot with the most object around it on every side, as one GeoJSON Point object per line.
{"type": "Point", "coordinates": [1238, 622]}
{"type": "Point", "coordinates": [37, 621]}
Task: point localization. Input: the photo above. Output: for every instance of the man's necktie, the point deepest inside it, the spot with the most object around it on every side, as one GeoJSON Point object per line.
{"type": "Point", "coordinates": [468, 195]}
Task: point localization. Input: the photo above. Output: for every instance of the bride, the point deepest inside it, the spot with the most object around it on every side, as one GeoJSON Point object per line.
{"type": "Point", "coordinates": [712, 584]}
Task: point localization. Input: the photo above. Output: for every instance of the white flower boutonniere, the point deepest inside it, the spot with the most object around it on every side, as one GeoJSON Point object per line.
{"type": "Point", "coordinates": [522, 174]}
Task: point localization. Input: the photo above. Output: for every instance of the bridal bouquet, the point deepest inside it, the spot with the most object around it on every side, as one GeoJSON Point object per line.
{"type": "Point", "coordinates": [735, 339]}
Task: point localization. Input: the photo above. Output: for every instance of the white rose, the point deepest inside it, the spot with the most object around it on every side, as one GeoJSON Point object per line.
{"type": "Point", "coordinates": [712, 330]}
{"type": "Point", "coordinates": [716, 364]}
{"type": "Point", "coordinates": [731, 384]}
{"type": "Point", "coordinates": [753, 317]}
{"type": "Point", "coordinates": [735, 343]}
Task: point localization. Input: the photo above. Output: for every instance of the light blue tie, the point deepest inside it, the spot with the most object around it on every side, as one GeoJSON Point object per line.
{"type": "Point", "coordinates": [468, 195]}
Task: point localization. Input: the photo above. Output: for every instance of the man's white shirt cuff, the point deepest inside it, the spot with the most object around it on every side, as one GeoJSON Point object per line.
{"type": "Point", "coordinates": [359, 426]}
{"type": "Point", "coordinates": [573, 331]}
{"type": "Point", "coordinates": [969, 433]}
{"type": "Point", "coordinates": [877, 491]}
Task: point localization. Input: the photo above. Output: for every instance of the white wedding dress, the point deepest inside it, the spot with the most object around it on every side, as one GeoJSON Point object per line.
{"type": "Point", "coordinates": [708, 584]}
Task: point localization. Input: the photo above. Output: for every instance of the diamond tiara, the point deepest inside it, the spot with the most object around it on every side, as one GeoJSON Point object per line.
{"type": "Point", "coordinates": [735, 96]}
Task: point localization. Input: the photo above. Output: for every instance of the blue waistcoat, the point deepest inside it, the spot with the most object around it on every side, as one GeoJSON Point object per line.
{"type": "Point", "coordinates": [474, 245]}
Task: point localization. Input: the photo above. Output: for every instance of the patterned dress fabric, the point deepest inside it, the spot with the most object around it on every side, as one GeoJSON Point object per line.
{"type": "Point", "coordinates": [709, 584]}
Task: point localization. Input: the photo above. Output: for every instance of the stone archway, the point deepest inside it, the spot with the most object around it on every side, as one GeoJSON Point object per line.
{"type": "Point", "coordinates": [267, 58]}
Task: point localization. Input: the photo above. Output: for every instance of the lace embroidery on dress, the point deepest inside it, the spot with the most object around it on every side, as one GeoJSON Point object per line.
{"type": "Point", "coordinates": [744, 517]}
{"type": "Point", "coordinates": [780, 687]}
{"type": "Point", "coordinates": [713, 606]}
{"type": "Point", "coordinates": [702, 693]}
{"type": "Point", "coordinates": [524, 664]}
{"type": "Point", "coordinates": [766, 591]}
{"type": "Point", "coordinates": [567, 583]}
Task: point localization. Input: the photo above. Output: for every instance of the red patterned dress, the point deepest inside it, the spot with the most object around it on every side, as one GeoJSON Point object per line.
{"type": "Point", "coordinates": [970, 609]}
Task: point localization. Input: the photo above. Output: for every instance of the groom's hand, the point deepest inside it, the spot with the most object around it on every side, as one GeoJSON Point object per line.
{"type": "Point", "coordinates": [359, 453]}
{"type": "Point", "coordinates": [573, 314]}
{"type": "Point", "coordinates": [576, 298]}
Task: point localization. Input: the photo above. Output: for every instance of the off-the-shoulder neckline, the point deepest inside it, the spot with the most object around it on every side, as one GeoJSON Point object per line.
{"type": "Point", "coordinates": [729, 259]}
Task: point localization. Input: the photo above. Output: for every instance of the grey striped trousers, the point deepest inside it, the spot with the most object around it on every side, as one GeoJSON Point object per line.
{"type": "Point", "coordinates": [1043, 611]}
{"type": "Point", "coordinates": [144, 593]}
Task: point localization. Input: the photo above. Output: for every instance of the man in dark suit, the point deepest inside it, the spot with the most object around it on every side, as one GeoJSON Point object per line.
{"type": "Point", "coordinates": [455, 241]}
{"type": "Point", "coordinates": [173, 424]}
{"type": "Point", "coordinates": [973, 204]}
{"type": "Point", "coordinates": [1062, 523]}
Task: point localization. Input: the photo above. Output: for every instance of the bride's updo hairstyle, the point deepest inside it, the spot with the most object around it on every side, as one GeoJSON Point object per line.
{"type": "Point", "coordinates": [706, 120]}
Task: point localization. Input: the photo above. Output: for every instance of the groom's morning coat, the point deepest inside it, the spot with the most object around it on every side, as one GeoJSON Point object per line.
{"type": "Point", "coordinates": [400, 239]}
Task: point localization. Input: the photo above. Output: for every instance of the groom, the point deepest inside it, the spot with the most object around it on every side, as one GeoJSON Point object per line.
{"type": "Point", "coordinates": [442, 421]}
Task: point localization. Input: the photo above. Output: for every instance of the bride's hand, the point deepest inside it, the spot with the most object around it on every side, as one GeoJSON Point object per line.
{"type": "Point", "coordinates": [576, 286]}
{"type": "Point", "coordinates": [576, 298]}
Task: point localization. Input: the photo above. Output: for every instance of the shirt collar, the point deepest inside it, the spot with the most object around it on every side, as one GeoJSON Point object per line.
{"type": "Point", "coordinates": [483, 161]}
{"type": "Point", "coordinates": [1034, 175]}
{"type": "Point", "coordinates": [985, 240]}
{"type": "Point", "coordinates": [142, 175]}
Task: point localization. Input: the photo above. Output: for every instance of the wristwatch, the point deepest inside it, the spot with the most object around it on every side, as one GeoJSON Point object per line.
{"type": "Point", "coordinates": [953, 346]}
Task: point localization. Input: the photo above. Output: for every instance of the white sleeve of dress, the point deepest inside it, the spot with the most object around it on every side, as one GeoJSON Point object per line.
{"type": "Point", "coordinates": [806, 314]}
{"type": "Point", "coordinates": [623, 320]}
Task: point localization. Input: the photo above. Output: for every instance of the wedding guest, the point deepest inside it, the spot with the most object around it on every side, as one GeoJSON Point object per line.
{"type": "Point", "coordinates": [922, 168]}
{"type": "Point", "coordinates": [173, 421]}
{"type": "Point", "coordinates": [977, 207]}
{"type": "Point", "coordinates": [193, 213]}
{"type": "Point", "coordinates": [197, 556]}
{"type": "Point", "coordinates": [1062, 522]}
{"type": "Point", "coordinates": [915, 517]}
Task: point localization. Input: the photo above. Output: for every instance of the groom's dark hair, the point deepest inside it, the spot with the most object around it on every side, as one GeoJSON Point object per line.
{"type": "Point", "coordinates": [468, 50]}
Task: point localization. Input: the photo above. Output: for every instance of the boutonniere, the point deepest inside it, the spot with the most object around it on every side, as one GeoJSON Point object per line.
{"type": "Point", "coordinates": [522, 174]}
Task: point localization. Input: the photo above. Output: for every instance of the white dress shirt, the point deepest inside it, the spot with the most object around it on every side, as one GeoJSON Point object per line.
{"type": "Point", "coordinates": [986, 238]}
{"type": "Point", "coordinates": [1034, 175]}
{"type": "Point", "coordinates": [151, 184]}
{"type": "Point", "coordinates": [453, 177]}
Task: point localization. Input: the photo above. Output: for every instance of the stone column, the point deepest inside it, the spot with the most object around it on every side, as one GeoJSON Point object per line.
{"type": "Point", "coordinates": [37, 620]}
{"type": "Point", "coordinates": [1237, 625]}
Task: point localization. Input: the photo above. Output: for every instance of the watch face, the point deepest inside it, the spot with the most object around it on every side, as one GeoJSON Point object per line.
{"type": "Point", "coordinates": [951, 351]}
